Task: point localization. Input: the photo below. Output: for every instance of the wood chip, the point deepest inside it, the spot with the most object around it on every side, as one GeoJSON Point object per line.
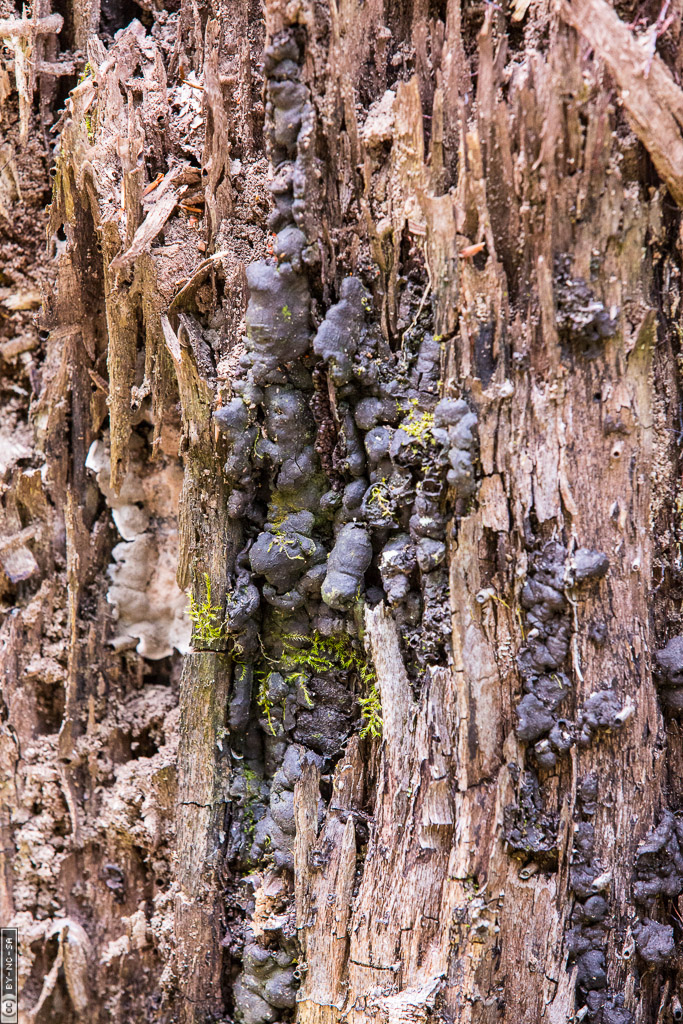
{"type": "Point", "coordinates": [148, 230]}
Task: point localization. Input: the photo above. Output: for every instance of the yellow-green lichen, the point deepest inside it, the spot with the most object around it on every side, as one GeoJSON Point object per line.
{"type": "Point", "coordinates": [379, 497]}
{"type": "Point", "coordinates": [419, 425]}
{"type": "Point", "coordinates": [282, 542]}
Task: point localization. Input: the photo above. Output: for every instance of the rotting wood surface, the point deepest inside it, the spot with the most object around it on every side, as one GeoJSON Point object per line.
{"type": "Point", "coordinates": [507, 182]}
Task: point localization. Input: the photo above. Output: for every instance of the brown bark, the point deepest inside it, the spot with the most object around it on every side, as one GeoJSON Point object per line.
{"type": "Point", "coordinates": [284, 214]}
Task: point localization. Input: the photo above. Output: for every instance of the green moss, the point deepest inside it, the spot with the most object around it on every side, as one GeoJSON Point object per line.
{"type": "Point", "coordinates": [263, 674]}
{"type": "Point", "coordinates": [252, 781]}
{"type": "Point", "coordinates": [305, 656]}
{"type": "Point", "coordinates": [87, 72]}
{"type": "Point", "coordinates": [371, 708]}
{"type": "Point", "coordinates": [206, 617]}
{"type": "Point", "coordinates": [90, 120]}
{"type": "Point", "coordinates": [279, 510]}
{"type": "Point", "coordinates": [319, 653]}
{"type": "Point", "coordinates": [300, 679]}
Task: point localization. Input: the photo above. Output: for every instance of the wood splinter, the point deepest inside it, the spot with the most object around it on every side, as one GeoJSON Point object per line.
{"type": "Point", "coordinates": [22, 28]}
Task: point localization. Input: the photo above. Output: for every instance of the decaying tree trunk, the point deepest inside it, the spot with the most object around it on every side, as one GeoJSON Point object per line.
{"type": "Point", "coordinates": [341, 528]}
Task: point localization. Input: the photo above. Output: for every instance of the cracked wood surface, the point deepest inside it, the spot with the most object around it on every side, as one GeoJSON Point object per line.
{"type": "Point", "coordinates": [646, 88]}
{"type": "Point", "coordinates": [483, 153]}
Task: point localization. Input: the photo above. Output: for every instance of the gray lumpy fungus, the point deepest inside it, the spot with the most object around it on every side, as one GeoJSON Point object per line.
{"type": "Point", "coordinates": [278, 317]}
{"type": "Point", "coordinates": [654, 941]}
{"type": "Point", "coordinates": [324, 726]}
{"type": "Point", "coordinates": [349, 559]}
{"type": "Point", "coordinates": [340, 333]}
{"type": "Point", "coordinates": [542, 660]}
{"type": "Point", "coordinates": [658, 868]}
{"type": "Point", "coordinates": [586, 941]}
{"type": "Point", "coordinates": [396, 565]}
{"type": "Point", "coordinates": [534, 719]}
{"type": "Point", "coordinates": [236, 423]}
{"type": "Point", "coordinates": [581, 318]}
{"type": "Point", "coordinates": [270, 433]}
{"type": "Point", "coordinates": [529, 832]}
{"type": "Point", "coordinates": [283, 556]}
{"type": "Point", "coordinates": [251, 1007]}
{"type": "Point", "coordinates": [240, 697]}
{"type": "Point", "coordinates": [386, 441]}
{"type": "Point", "coordinates": [587, 565]}
{"type": "Point", "coordinates": [658, 875]}
{"type": "Point", "coordinates": [337, 469]}
{"type": "Point", "coordinates": [591, 970]}
{"type": "Point", "coordinates": [266, 984]}
{"type": "Point", "coordinates": [602, 710]}
{"type": "Point", "coordinates": [670, 662]}
{"type": "Point", "coordinates": [669, 675]}
{"type": "Point", "coordinates": [454, 417]}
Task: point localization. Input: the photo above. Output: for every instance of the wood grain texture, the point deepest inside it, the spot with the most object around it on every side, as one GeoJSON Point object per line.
{"type": "Point", "coordinates": [502, 178]}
